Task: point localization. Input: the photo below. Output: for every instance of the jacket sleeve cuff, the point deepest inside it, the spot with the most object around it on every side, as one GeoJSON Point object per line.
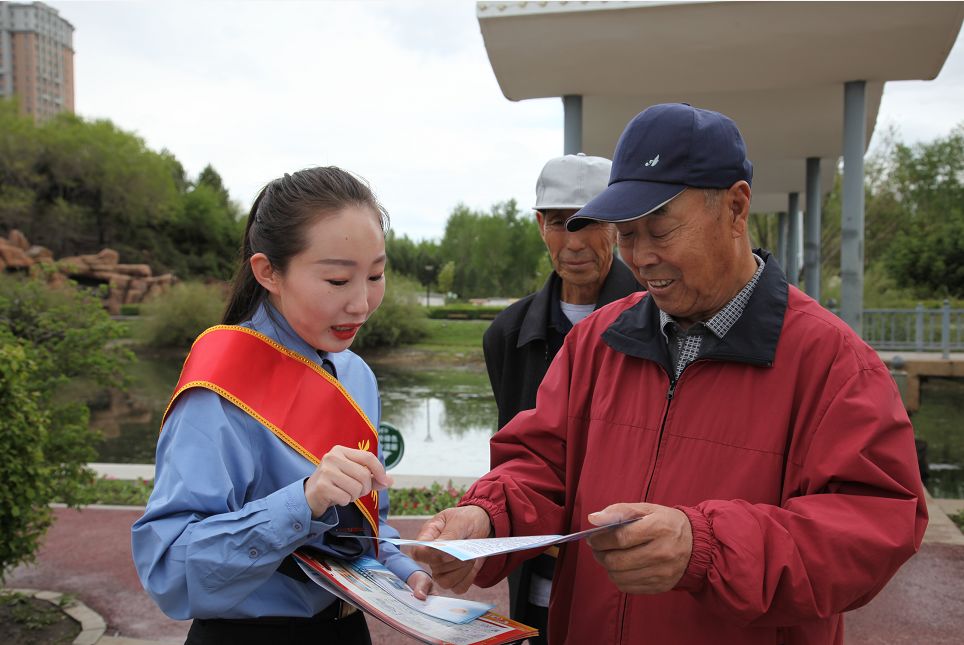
{"type": "Point", "coordinates": [497, 516]}
{"type": "Point", "coordinates": [492, 571]}
{"type": "Point", "coordinates": [701, 556]}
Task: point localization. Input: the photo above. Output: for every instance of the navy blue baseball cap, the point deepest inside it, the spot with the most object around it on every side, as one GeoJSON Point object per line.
{"type": "Point", "coordinates": [663, 151]}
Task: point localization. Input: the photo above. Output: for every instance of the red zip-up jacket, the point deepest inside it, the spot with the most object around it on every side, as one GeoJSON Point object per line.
{"type": "Point", "coordinates": [787, 446]}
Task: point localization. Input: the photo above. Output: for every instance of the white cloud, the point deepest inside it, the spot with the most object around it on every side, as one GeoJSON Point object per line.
{"type": "Point", "coordinates": [399, 92]}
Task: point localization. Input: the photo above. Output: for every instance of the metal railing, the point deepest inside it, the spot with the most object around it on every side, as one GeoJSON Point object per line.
{"type": "Point", "coordinates": [919, 329]}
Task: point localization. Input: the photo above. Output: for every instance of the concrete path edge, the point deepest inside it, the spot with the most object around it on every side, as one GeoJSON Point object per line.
{"type": "Point", "coordinates": [92, 625]}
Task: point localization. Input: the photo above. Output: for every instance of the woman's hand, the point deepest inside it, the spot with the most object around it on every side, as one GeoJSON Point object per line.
{"type": "Point", "coordinates": [344, 475]}
{"type": "Point", "coordinates": [421, 584]}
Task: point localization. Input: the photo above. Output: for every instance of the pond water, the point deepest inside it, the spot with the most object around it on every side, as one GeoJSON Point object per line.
{"type": "Point", "coordinates": [448, 416]}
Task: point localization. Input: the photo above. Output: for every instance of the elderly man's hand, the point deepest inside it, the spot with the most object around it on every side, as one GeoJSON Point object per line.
{"type": "Point", "coordinates": [462, 523]}
{"type": "Point", "coordinates": [648, 556]}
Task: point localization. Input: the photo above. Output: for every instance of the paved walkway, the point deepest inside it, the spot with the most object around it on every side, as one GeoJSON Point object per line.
{"type": "Point", "coordinates": [87, 553]}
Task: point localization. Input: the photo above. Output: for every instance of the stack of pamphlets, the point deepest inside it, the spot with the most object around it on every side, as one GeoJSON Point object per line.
{"type": "Point", "coordinates": [438, 620]}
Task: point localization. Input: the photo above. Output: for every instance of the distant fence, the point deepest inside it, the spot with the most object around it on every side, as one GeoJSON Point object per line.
{"type": "Point", "coordinates": [921, 330]}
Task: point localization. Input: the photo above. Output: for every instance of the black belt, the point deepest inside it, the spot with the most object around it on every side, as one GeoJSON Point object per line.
{"type": "Point", "coordinates": [335, 611]}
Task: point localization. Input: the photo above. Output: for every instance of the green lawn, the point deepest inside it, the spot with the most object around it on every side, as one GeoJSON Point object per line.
{"type": "Point", "coordinates": [458, 336]}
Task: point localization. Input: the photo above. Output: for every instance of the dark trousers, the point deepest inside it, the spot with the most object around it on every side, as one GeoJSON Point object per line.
{"type": "Point", "coordinates": [319, 630]}
{"type": "Point", "coordinates": [519, 606]}
{"type": "Point", "coordinates": [537, 617]}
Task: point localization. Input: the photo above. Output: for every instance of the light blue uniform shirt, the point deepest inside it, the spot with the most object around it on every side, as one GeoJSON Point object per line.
{"type": "Point", "coordinates": [229, 504]}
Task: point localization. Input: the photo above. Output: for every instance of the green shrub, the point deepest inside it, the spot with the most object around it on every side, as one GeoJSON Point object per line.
{"type": "Point", "coordinates": [400, 320]}
{"type": "Point", "coordinates": [118, 492]}
{"type": "Point", "coordinates": [958, 518]}
{"type": "Point", "coordinates": [130, 310]}
{"type": "Point", "coordinates": [404, 501]}
{"type": "Point", "coordinates": [25, 477]}
{"type": "Point", "coordinates": [424, 500]}
{"type": "Point", "coordinates": [49, 338]}
{"type": "Point", "coordinates": [174, 319]}
{"type": "Point", "coordinates": [464, 312]}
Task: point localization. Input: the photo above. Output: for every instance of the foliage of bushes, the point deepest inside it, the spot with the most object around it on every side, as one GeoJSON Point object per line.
{"type": "Point", "coordinates": [424, 501]}
{"type": "Point", "coordinates": [174, 319]}
{"type": "Point", "coordinates": [48, 340]}
{"type": "Point", "coordinates": [26, 477]}
{"type": "Point", "coordinates": [958, 518]}
{"type": "Point", "coordinates": [399, 320]}
{"type": "Point", "coordinates": [404, 501]}
{"type": "Point", "coordinates": [470, 312]}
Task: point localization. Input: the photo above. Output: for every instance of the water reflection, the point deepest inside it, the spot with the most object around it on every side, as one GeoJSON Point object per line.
{"type": "Point", "coordinates": [448, 416]}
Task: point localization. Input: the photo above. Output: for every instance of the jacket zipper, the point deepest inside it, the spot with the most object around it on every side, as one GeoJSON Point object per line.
{"type": "Point", "coordinates": [670, 393]}
{"type": "Point", "coordinates": [659, 440]}
{"type": "Point", "coordinates": [662, 426]}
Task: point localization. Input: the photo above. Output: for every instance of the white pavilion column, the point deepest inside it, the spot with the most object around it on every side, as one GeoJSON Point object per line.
{"type": "Point", "coordinates": [852, 216]}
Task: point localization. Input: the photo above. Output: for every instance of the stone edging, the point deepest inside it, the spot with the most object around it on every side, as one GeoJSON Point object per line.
{"type": "Point", "coordinates": [92, 625]}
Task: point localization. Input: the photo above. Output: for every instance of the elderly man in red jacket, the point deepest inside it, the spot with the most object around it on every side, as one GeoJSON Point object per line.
{"type": "Point", "coordinates": [761, 443]}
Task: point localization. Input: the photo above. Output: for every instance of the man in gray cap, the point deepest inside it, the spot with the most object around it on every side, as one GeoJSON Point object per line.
{"type": "Point", "coordinates": [523, 339]}
{"type": "Point", "coordinates": [757, 445]}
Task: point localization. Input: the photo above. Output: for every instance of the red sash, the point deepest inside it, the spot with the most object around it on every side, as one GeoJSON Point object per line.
{"type": "Point", "coordinates": [301, 403]}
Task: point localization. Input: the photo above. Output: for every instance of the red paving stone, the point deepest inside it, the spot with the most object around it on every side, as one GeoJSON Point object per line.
{"type": "Point", "coordinates": [87, 553]}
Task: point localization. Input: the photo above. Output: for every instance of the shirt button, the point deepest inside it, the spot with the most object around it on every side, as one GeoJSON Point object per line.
{"type": "Point", "coordinates": [252, 553]}
{"type": "Point", "coordinates": [297, 526]}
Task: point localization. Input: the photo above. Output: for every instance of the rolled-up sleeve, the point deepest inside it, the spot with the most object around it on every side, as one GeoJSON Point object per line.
{"type": "Point", "coordinates": [200, 549]}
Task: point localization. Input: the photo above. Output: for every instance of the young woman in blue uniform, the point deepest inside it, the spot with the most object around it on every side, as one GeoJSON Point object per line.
{"type": "Point", "coordinates": [232, 501]}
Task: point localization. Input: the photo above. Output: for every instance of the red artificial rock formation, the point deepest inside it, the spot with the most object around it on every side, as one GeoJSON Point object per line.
{"type": "Point", "coordinates": [127, 283]}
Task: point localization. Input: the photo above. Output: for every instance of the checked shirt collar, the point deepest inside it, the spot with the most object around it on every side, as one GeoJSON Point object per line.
{"type": "Point", "coordinates": [690, 342]}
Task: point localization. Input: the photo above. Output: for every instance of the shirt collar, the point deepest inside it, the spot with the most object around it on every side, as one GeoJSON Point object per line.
{"type": "Point", "coordinates": [269, 321]}
{"type": "Point", "coordinates": [725, 318]}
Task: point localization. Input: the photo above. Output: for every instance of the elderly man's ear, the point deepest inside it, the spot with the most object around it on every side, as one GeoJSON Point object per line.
{"type": "Point", "coordinates": [737, 203]}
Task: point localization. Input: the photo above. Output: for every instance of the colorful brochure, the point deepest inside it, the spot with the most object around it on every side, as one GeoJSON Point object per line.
{"type": "Point", "coordinates": [366, 584]}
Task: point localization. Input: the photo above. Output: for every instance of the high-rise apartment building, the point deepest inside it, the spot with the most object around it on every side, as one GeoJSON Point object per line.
{"type": "Point", "coordinates": [36, 58]}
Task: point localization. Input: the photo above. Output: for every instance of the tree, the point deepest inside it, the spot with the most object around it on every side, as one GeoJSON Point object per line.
{"type": "Point", "coordinates": [76, 186]}
{"type": "Point", "coordinates": [446, 277]}
{"type": "Point", "coordinates": [925, 196]}
{"type": "Point", "coordinates": [19, 151]}
{"type": "Point", "coordinates": [419, 260]}
{"type": "Point", "coordinates": [495, 253]}
{"type": "Point", "coordinates": [204, 234]}
{"type": "Point", "coordinates": [123, 188]}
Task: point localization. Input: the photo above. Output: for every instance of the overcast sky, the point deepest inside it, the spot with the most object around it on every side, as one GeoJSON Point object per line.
{"type": "Point", "coordinates": [399, 92]}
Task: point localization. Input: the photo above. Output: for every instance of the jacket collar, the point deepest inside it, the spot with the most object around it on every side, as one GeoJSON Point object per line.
{"type": "Point", "coordinates": [752, 339]}
{"type": "Point", "coordinates": [619, 283]}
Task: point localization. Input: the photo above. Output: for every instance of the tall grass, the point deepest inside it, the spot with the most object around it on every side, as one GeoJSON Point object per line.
{"type": "Point", "coordinates": [174, 319]}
